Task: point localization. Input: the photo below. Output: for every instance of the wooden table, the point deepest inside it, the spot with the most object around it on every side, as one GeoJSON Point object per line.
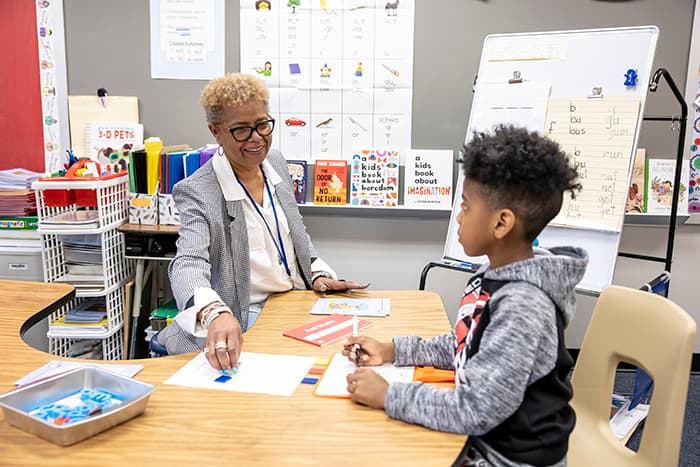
{"type": "Point", "coordinates": [187, 426]}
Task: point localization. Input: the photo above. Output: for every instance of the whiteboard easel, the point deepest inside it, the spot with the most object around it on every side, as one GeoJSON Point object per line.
{"type": "Point", "coordinates": [574, 63]}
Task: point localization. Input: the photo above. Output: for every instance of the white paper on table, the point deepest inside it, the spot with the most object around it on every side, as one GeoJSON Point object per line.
{"type": "Point", "coordinates": [260, 373]}
{"type": "Point", "coordinates": [334, 383]}
{"type": "Point", "coordinates": [625, 421]}
{"type": "Point", "coordinates": [352, 306]}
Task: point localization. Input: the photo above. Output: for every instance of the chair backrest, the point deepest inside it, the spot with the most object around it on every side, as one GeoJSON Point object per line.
{"type": "Point", "coordinates": [648, 331]}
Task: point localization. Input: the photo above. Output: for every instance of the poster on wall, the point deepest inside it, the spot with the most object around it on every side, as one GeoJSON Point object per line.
{"type": "Point", "coordinates": [340, 73]}
{"type": "Point", "coordinates": [52, 77]}
{"type": "Point", "coordinates": [692, 94]}
{"type": "Point", "coordinates": [187, 39]}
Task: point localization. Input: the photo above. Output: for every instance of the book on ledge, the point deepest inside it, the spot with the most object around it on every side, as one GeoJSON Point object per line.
{"type": "Point", "coordinates": [374, 178]}
{"type": "Point", "coordinates": [428, 179]}
{"type": "Point", "coordinates": [326, 330]}
{"type": "Point", "coordinates": [297, 171]}
{"type": "Point", "coordinates": [330, 178]}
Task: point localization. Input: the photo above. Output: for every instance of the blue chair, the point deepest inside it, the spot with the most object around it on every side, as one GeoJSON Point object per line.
{"type": "Point", "coordinates": [157, 349]}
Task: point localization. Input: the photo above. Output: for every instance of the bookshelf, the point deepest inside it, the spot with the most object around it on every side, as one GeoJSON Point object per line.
{"type": "Point", "coordinates": [399, 211]}
{"type": "Point", "coordinates": [693, 219]}
{"type": "Point", "coordinates": [661, 220]}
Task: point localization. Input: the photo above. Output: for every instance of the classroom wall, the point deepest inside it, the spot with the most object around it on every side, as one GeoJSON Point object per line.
{"type": "Point", "coordinates": [108, 46]}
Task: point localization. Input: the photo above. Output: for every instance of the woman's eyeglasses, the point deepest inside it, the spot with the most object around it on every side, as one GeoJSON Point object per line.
{"type": "Point", "coordinates": [243, 133]}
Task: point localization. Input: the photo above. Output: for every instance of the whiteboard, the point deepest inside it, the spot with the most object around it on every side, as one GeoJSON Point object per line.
{"type": "Point", "coordinates": [572, 63]}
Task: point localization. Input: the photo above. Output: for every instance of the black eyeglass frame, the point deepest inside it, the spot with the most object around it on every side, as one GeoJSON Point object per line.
{"type": "Point", "coordinates": [256, 128]}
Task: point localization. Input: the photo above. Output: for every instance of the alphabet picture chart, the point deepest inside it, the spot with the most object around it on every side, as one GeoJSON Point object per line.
{"type": "Point", "coordinates": [340, 73]}
{"type": "Point", "coordinates": [599, 134]}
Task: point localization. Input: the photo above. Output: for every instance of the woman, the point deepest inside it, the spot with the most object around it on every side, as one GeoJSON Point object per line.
{"type": "Point", "coordinates": [241, 236]}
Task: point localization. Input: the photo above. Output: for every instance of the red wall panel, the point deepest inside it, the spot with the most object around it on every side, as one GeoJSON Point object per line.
{"type": "Point", "coordinates": [21, 130]}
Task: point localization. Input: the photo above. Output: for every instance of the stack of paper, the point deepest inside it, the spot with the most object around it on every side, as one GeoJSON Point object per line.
{"type": "Point", "coordinates": [83, 255]}
{"type": "Point", "coordinates": [91, 311]}
{"type": "Point", "coordinates": [20, 239]}
{"type": "Point", "coordinates": [88, 219]}
{"type": "Point", "coordinates": [15, 179]}
{"type": "Point", "coordinates": [17, 202]}
{"type": "Point", "coordinates": [86, 348]}
{"type": "Point", "coordinates": [60, 327]}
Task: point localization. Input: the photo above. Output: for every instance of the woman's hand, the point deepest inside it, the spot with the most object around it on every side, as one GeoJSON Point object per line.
{"type": "Point", "coordinates": [367, 388]}
{"type": "Point", "coordinates": [328, 285]}
{"type": "Point", "coordinates": [372, 352]}
{"type": "Point", "coordinates": [224, 329]}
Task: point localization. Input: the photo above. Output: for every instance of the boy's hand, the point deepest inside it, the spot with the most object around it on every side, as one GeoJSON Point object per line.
{"type": "Point", "coordinates": [367, 388]}
{"type": "Point", "coordinates": [372, 352]}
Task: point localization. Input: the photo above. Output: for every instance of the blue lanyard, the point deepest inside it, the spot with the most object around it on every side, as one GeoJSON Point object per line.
{"type": "Point", "coordinates": [278, 243]}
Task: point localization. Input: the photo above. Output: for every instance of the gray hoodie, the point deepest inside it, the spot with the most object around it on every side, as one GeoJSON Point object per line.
{"type": "Point", "coordinates": [518, 347]}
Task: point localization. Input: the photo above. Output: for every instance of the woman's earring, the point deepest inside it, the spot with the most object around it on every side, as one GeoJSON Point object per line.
{"type": "Point", "coordinates": [220, 151]}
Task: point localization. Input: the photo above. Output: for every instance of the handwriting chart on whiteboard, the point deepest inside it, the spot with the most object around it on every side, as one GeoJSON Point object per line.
{"type": "Point", "coordinates": [599, 134]}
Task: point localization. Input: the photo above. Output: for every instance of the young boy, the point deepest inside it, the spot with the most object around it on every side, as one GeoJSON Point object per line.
{"type": "Point", "coordinates": [507, 347]}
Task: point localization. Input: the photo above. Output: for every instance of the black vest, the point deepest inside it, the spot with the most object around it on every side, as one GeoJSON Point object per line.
{"type": "Point", "coordinates": [538, 432]}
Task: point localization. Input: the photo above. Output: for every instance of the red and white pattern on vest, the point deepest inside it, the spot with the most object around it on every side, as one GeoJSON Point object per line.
{"type": "Point", "coordinates": [470, 310]}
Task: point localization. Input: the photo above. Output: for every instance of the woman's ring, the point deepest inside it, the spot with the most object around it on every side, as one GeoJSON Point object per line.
{"type": "Point", "coordinates": [220, 345]}
{"type": "Point", "coordinates": [205, 349]}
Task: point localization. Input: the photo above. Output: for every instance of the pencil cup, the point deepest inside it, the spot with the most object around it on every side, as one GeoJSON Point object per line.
{"type": "Point", "coordinates": [167, 212]}
{"type": "Point", "coordinates": [143, 208]}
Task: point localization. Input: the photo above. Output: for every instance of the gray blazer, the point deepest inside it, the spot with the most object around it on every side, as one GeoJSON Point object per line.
{"type": "Point", "coordinates": [212, 247]}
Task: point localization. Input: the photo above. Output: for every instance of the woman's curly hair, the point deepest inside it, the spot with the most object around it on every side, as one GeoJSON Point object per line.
{"type": "Point", "coordinates": [233, 89]}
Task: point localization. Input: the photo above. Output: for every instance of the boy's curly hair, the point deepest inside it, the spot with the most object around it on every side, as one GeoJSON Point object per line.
{"type": "Point", "coordinates": [521, 171]}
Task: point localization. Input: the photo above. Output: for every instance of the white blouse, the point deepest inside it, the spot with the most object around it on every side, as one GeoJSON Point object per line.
{"type": "Point", "coordinates": [267, 272]}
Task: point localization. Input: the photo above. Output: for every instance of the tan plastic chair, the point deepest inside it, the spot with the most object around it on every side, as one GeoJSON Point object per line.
{"type": "Point", "coordinates": [653, 333]}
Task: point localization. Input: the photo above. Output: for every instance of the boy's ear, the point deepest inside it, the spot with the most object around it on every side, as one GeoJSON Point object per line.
{"type": "Point", "coordinates": [504, 223]}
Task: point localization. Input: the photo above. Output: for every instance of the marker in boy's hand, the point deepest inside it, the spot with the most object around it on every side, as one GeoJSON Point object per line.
{"type": "Point", "coordinates": [364, 384]}
{"type": "Point", "coordinates": [355, 333]}
{"type": "Point", "coordinates": [372, 352]}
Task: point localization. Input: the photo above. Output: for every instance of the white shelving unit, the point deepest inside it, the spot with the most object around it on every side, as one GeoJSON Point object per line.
{"type": "Point", "coordinates": [108, 201]}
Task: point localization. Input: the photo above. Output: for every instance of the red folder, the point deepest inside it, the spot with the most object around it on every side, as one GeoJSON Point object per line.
{"type": "Point", "coordinates": [328, 329]}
